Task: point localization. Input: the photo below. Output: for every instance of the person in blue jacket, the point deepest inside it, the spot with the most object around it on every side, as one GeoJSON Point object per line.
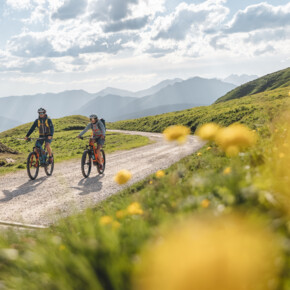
{"type": "Point", "coordinates": [98, 133]}
{"type": "Point", "coordinates": [46, 131]}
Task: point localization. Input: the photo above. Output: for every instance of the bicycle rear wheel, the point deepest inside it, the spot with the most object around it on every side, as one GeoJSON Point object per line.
{"type": "Point", "coordinates": [48, 168]}
{"type": "Point", "coordinates": [86, 163]}
{"type": "Point", "coordinates": [32, 165]}
{"type": "Point", "coordinates": [101, 167]}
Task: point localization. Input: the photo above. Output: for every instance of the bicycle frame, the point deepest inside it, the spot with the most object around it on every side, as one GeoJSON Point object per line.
{"type": "Point", "coordinates": [93, 149]}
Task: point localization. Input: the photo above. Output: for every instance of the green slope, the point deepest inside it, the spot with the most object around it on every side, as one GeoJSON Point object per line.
{"type": "Point", "coordinates": [279, 79]}
{"type": "Point", "coordinates": [254, 111]}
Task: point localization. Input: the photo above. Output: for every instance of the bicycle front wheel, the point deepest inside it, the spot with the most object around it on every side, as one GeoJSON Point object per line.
{"type": "Point", "coordinates": [86, 163]}
{"type": "Point", "coordinates": [48, 168]}
{"type": "Point", "coordinates": [101, 167]}
{"type": "Point", "coordinates": [32, 165]}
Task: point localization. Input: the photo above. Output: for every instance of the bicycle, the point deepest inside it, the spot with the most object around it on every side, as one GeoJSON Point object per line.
{"type": "Point", "coordinates": [90, 154]}
{"type": "Point", "coordinates": [38, 158]}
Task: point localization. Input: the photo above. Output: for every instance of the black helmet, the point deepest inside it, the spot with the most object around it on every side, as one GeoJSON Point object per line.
{"type": "Point", "coordinates": [93, 116]}
{"type": "Point", "coordinates": [41, 111]}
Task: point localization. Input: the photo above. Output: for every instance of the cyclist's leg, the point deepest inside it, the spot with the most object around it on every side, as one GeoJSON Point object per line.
{"type": "Point", "coordinates": [100, 143]}
{"type": "Point", "coordinates": [38, 144]}
{"type": "Point", "coordinates": [48, 147]}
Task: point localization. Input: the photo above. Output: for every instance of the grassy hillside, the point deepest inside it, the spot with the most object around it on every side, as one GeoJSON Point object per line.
{"type": "Point", "coordinates": [255, 111]}
{"type": "Point", "coordinates": [279, 79]}
{"type": "Point", "coordinates": [65, 144]}
{"type": "Point", "coordinates": [208, 211]}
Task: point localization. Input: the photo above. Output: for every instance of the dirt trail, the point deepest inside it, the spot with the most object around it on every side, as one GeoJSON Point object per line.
{"type": "Point", "coordinates": [46, 199]}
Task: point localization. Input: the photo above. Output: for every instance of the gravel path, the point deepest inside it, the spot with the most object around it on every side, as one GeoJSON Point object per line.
{"type": "Point", "coordinates": [46, 199]}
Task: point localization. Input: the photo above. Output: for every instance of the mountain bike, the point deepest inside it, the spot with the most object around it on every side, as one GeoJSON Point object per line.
{"type": "Point", "coordinates": [38, 158]}
{"type": "Point", "coordinates": [90, 156]}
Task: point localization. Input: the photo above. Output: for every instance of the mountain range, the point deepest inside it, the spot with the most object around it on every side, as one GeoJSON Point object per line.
{"type": "Point", "coordinates": [114, 104]}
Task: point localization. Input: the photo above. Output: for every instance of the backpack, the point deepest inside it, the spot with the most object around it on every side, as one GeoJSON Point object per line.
{"type": "Point", "coordinates": [104, 123]}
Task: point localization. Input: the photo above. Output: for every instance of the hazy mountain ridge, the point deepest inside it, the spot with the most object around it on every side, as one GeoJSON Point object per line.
{"type": "Point", "coordinates": [166, 96]}
{"type": "Point", "coordinates": [6, 123]}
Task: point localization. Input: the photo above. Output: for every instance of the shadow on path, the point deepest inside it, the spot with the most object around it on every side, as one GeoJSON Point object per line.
{"type": "Point", "coordinates": [89, 185]}
{"type": "Point", "coordinates": [25, 188]}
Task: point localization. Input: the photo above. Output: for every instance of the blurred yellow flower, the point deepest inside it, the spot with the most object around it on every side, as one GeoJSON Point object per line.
{"type": "Point", "coordinates": [105, 220]}
{"type": "Point", "coordinates": [199, 154]}
{"type": "Point", "coordinates": [160, 174]}
{"type": "Point", "coordinates": [208, 131]}
{"type": "Point", "coordinates": [134, 208]}
{"type": "Point", "coordinates": [121, 214]}
{"type": "Point", "coordinates": [208, 148]}
{"type": "Point", "coordinates": [282, 155]}
{"type": "Point", "coordinates": [123, 176]}
{"type": "Point", "coordinates": [177, 133]}
{"type": "Point", "coordinates": [227, 171]}
{"type": "Point", "coordinates": [115, 224]}
{"type": "Point", "coordinates": [62, 247]}
{"type": "Point", "coordinates": [150, 182]}
{"type": "Point", "coordinates": [205, 203]}
{"type": "Point", "coordinates": [211, 253]}
{"type": "Point", "coordinates": [235, 138]}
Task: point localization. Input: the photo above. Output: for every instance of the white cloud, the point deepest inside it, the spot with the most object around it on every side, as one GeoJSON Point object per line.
{"type": "Point", "coordinates": [260, 16]}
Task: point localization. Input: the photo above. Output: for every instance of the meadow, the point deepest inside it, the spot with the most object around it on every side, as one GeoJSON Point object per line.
{"type": "Point", "coordinates": [65, 145]}
{"type": "Point", "coordinates": [210, 221]}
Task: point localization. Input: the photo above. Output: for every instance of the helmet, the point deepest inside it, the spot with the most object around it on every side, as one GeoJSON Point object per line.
{"type": "Point", "coordinates": [93, 116]}
{"type": "Point", "coordinates": [41, 110]}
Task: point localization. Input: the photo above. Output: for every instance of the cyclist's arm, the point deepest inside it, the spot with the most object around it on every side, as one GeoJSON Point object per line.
{"type": "Point", "coordinates": [51, 128]}
{"type": "Point", "coordinates": [85, 130]}
{"type": "Point", "coordinates": [34, 125]}
{"type": "Point", "coordinates": [102, 128]}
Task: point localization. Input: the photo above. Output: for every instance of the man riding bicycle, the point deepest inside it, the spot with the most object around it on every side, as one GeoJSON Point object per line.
{"type": "Point", "coordinates": [46, 131]}
{"type": "Point", "coordinates": [99, 133]}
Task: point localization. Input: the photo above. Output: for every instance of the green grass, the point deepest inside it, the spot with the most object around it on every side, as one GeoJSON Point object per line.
{"type": "Point", "coordinates": [81, 253]}
{"type": "Point", "coordinates": [65, 144]}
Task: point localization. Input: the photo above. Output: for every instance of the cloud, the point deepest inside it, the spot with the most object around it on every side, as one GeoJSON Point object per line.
{"type": "Point", "coordinates": [70, 9]}
{"type": "Point", "coordinates": [111, 10]}
{"type": "Point", "coordinates": [266, 35]}
{"type": "Point", "coordinates": [130, 24]}
{"type": "Point", "coordinates": [190, 19]}
{"type": "Point", "coordinates": [268, 49]}
{"type": "Point", "coordinates": [260, 16]}
{"type": "Point", "coordinates": [157, 52]}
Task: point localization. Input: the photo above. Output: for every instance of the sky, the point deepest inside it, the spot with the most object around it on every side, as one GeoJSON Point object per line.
{"type": "Point", "coordinates": [57, 45]}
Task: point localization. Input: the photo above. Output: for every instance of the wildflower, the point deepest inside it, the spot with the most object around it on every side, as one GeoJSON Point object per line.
{"type": "Point", "coordinates": [150, 182]}
{"type": "Point", "coordinates": [281, 155]}
{"type": "Point", "coordinates": [208, 148]}
{"type": "Point", "coordinates": [115, 224]}
{"type": "Point", "coordinates": [121, 214]}
{"type": "Point", "coordinates": [123, 176]}
{"type": "Point", "coordinates": [235, 138]}
{"type": "Point", "coordinates": [199, 154]}
{"type": "Point", "coordinates": [198, 253]}
{"type": "Point", "coordinates": [208, 131]}
{"type": "Point", "coordinates": [134, 208]}
{"type": "Point", "coordinates": [62, 247]}
{"type": "Point", "coordinates": [105, 220]}
{"type": "Point", "coordinates": [227, 171]}
{"type": "Point", "coordinates": [205, 203]}
{"type": "Point", "coordinates": [160, 174]}
{"type": "Point", "coordinates": [177, 133]}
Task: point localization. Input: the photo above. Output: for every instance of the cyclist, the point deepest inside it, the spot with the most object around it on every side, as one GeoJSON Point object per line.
{"type": "Point", "coordinates": [99, 133]}
{"type": "Point", "coordinates": [46, 131]}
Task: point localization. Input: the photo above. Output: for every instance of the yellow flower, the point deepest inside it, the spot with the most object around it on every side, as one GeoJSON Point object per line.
{"type": "Point", "coordinates": [235, 138]}
{"type": "Point", "coordinates": [227, 171]}
{"type": "Point", "coordinates": [220, 253]}
{"type": "Point", "coordinates": [160, 174]}
{"type": "Point", "coordinates": [150, 182]}
{"type": "Point", "coordinates": [199, 154]}
{"type": "Point", "coordinates": [105, 220]}
{"type": "Point", "coordinates": [281, 155]}
{"type": "Point", "coordinates": [205, 203]}
{"type": "Point", "coordinates": [177, 133]}
{"type": "Point", "coordinates": [134, 208]}
{"type": "Point", "coordinates": [115, 224]}
{"type": "Point", "coordinates": [208, 131]}
{"type": "Point", "coordinates": [123, 176]}
{"type": "Point", "coordinates": [121, 214]}
{"type": "Point", "coordinates": [62, 247]}
{"type": "Point", "coordinates": [208, 148]}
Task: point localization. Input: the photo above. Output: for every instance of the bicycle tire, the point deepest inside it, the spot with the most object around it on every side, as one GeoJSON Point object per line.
{"type": "Point", "coordinates": [101, 171]}
{"type": "Point", "coordinates": [31, 163]}
{"type": "Point", "coordinates": [48, 168]}
{"type": "Point", "coordinates": [86, 163]}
